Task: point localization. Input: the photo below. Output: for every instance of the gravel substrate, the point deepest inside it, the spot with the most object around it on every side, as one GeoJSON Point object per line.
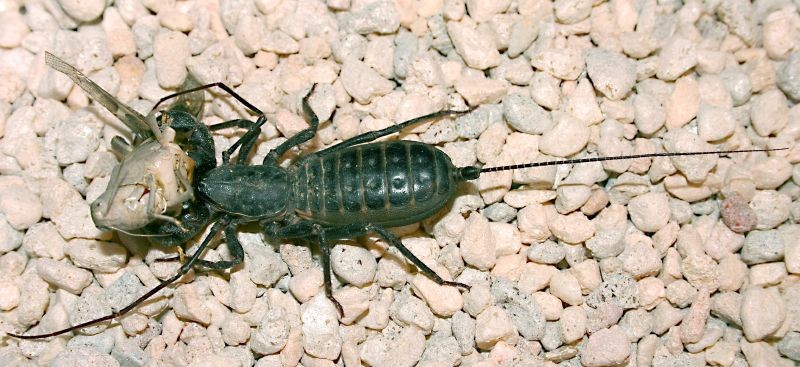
{"type": "Point", "coordinates": [687, 261]}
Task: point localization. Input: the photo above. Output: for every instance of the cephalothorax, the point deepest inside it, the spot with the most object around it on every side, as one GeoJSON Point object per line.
{"type": "Point", "coordinates": [343, 191]}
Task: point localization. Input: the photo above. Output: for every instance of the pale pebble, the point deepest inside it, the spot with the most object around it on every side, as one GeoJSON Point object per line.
{"type": "Point", "coordinates": [96, 255]}
{"type": "Point", "coordinates": [683, 103]}
{"type": "Point", "coordinates": [790, 235]}
{"type": "Point", "coordinates": [479, 90]}
{"type": "Point", "coordinates": [762, 312]}
{"type": "Point", "coordinates": [492, 326]}
{"type": "Point", "coordinates": [564, 286]}
{"type": "Point", "coordinates": [353, 264]}
{"type": "Point", "coordinates": [715, 123]}
{"type": "Point", "coordinates": [565, 63]}
{"type": "Point", "coordinates": [701, 271]}
{"type": "Point", "coordinates": [474, 46]}
{"type": "Point", "coordinates": [694, 323]}
{"type": "Point", "coordinates": [676, 57]}
{"type": "Point", "coordinates": [63, 275]}
{"type": "Point", "coordinates": [363, 82]}
{"type": "Point", "coordinates": [83, 11]}
{"type": "Point", "coordinates": [771, 208]}
{"type": "Point", "coordinates": [573, 228]}
{"type": "Point", "coordinates": [650, 115]}
{"type": "Point", "coordinates": [477, 300]}
{"type": "Point", "coordinates": [187, 304]}
{"type": "Point", "coordinates": [545, 91]}
{"type": "Point", "coordinates": [376, 17]}
{"type": "Point", "coordinates": [769, 113]}
{"type": "Point", "coordinates": [582, 103]}
{"type": "Point", "coordinates": [606, 347]}
{"type": "Point", "coordinates": [477, 245]}
{"type": "Point", "coordinates": [320, 328]}
{"type": "Point", "coordinates": [171, 52]}
{"type": "Point", "coordinates": [307, 284]}
{"type": "Point", "coordinates": [611, 73]}
{"type": "Point", "coordinates": [550, 305]}
{"type": "Point", "coordinates": [680, 293]}
{"type": "Point", "coordinates": [272, 333]}
{"type": "Point", "coordinates": [649, 212]}
{"type": "Point", "coordinates": [764, 275]}
{"type": "Point", "coordinates": [771, 173]}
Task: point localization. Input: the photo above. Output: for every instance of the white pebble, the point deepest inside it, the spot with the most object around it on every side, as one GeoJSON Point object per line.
{"type": "Point", "coordinates": [701, 271]}
{"type": "Point", "coordinates": [771, 207]}
{"type": "Point", "coordinates": [84, 355]}
{"type": "Point", "coordinates": [791, 239]}
{"type": "Point", "coordinates": [493, 325]}
{"type": "Point", "coordinates": [677, 56]}
{"type": "Point", "coordinates": [564, 286]}
{"type": "Point", "coordinates": [573, 228]}
{"type": "Point", "coordinates": [697, 167]}
{"type": "Point", "coordinates": [769, 112]}
{"type": "Point", "coordinates": [715, 123]}
{"type": "Point", "coordinates": [63, 275]}
{"type": "Point", "coordinates": [13, 28]}
{"type": "Point", "coordinates": [566, 138]}
{"type": "Point", "coordinates": [353, 264]}
{"type": "Point", "coordinates": [474, 46]}
{"type": "Point", "coordinates": [649, 212]}
{"type": "Point", "coordinates": [362, 82]}
{"type": "Point", "coordinates": [171, 51]}
{"type": "Point", "coordinates": [479, 90]}
{"type": "Point", "coordinates": [106, 257]}
{"type": "Point", "coordinates": [477, 245]}
{"type": "Point", "coordinates": [565, 63]}
{"type": "Point", "coordinates": [606, 347]}
{"type": "Point", "coordinates": [763, 312]}
{"type": "Point", "coordinates": [764, 275]}
{"type": "Point", "coordinates": [272, 333]}
{"type": "Point", "coordinates": [321, 337]}
{"type": "Point", "coordinates": [572, 11]}
{"type": "Point", "coordinates": [119, 35]}
{"type": "Point", "coordinates": [611, 73]}
{"type": "Point", "coordinates": [83, 10]}
{"type": "Point", "coordinates": [187, 304]}
{"type": "Point", "coordinates": [306, 284]}
{"type": "Point", "coordinates": [377, 17]}
{"type": "Point", "coordinates": [442, 300]}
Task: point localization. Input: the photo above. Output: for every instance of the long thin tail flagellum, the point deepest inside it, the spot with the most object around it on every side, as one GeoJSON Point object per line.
{"type": "Point", "coordinates": [471, 172]}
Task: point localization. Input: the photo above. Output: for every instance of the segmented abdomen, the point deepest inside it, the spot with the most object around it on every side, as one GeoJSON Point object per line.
{"type": "Point", "coordinates": [388, 183]}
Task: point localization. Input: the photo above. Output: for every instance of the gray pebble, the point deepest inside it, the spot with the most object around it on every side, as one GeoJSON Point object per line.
{"type": "Point", "coordinates": [350, 46]}
{"type": "Point", "coordinates": [552, 336]}
{"type": "Point", "coordinates": [128, 354]}
{"type": "Point", "coordinates": [738, 85]}
{"type": "Point", "coordinates": [621, 289]}
{"type": "Point", "coordinates": [607, 243]}
{"type": "Point", "coordinates": [377, 17]}
{"type": "Point", "coordinates": [500, 212]}
{"type": "Point", "coordinates": [547, 252]}
{"type": "Point", "coordinates": [762, 246]}
{"type": "Point", "coordinates": [126, 289]}
{"type": "Point", "coordinates": [441, 350]}
{"type": "Point", "coordinates": [89, 306]}
{"type": "Point", "coordinates": [83, 356]}
{"type": "Point", "coordinates": [406, 45]}
{"type": "Point", "coordinates": [464, 331]}
{"type": "Point", "coordinates": [102, 342]}
{"type": "Point", "coordinates": [789, 346]}
{"type": "Point", "coordinates": [789, 76]}
{"type": "Point", "coordinates": [471, 125]}
{"type": "Point", "coordinates": [524, 115]}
